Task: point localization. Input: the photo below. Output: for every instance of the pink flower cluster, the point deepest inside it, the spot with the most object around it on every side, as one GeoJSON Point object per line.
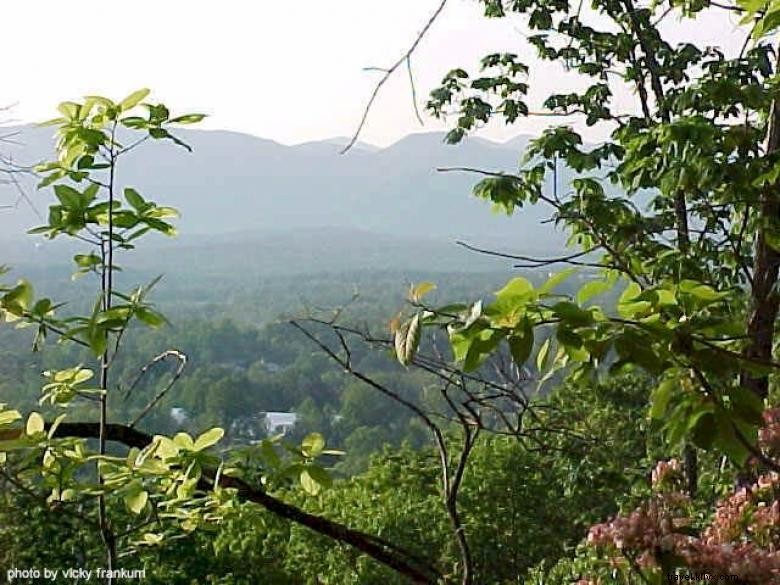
{"type": "Point", "coordinates": [743, 538]}
{"type": "Point", "coordinates": [650, 528]}
{"type": "Point", "coordinates": [751, 511]}
{"type": "Point", "coordinates": [666, 472]}
{"type": "Point", "coordinates": [746, 560]}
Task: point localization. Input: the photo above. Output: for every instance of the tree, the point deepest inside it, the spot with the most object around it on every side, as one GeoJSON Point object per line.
{"type": "Point", "coordinates": [679, 209]}
{"type": "Point", "coordinates": [700, 305]}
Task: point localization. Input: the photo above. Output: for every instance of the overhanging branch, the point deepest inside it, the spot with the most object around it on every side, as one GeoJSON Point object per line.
{"type": "Point", "coordinates": [386, 553]}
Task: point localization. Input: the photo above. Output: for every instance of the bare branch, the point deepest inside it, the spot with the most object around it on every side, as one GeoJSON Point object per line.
{"type": "Point", "coordinates": [538, 262]}
{"type": "Point", "coordinates": [388, 73]}
{"type": "Point", "coordinates": [11, 171]}
{"type": "Point", "coordinates": [170, 353]}
{"type": "Point", "coordinates": [729, 7]}
{"type": "Point", "coordinates": [414, 91]}
{"type": "Point", "coordinates": [450, 482]}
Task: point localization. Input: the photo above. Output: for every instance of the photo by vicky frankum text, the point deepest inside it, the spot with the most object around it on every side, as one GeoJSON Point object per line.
{"type": "Point", "coordinates": [79, 574]}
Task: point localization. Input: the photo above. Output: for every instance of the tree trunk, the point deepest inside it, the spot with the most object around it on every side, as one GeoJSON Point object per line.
{"type": "Point", "coordinates": [765, 301]}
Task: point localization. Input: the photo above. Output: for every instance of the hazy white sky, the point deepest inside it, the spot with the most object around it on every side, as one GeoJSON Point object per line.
{"type": "Point", "coordinates": [289, 71]}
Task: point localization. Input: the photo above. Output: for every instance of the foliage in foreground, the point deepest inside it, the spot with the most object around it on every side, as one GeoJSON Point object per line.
{"type": "Point", "coordinates": [161, 487]}
{"type": "Point", "coordinates": [545, 500]}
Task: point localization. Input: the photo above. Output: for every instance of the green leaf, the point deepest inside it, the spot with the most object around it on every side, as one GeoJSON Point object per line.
{"type": "Point", "coordinates": [188, 119]}
{"type": "Point", "coordinates": [520, 345]}
{"type": "Point", "coordinates": [133, 457]}
{"type": "Point", "coordinates": [69, 110]}
{"type": "Point", "coordinates": [125, 219]}
{"type": "Point", "coordinates": [97, 339]}
{"type": "Point", "coordinates": [572, 315]}
{"type": "Point", "coordinates": [555, 280]}
{"type": "Point", "coordinates": [161, 133]}
{"type": "Point", "coordinates": [208, 438]}
{"type": "Point", "coordinates": [133, 99]}
{"type": "Point", "coordinates": [660, 398]}
{"type": "Point", "coordinates": [136, 501]}
{"type": "Point", "coordinates": [166, 448]}
{"type": "Point", "coordinates": [8, 416]}
{"type": "Point", "coordinates": [313, 479]}
{"type": "Point", "coordinates": [52, 178]}
{"type": "Point", "coordinates": [747, 405]}
{"type": "Point", "coordinates": [161, 212]}
{"type": "Point", "coordinates": [592, 289]}
{"type": "Point", "coordinates": [517, 287]}
{"type": "Point", "coordinates": [149, 317]}
{"type": "Point", "coordinates": [704, 431]}
{"type": "Point", "coordinates": [135, 122]}
{"type": "Point", "coordinates": [55, 424]}
{"type": "Point", "coordinates": [541, 356]}
{"type": "Point", "coordinates": [461, 341]}
{"type": "Point", "coordinates": [184, 441]}
{"type": "Point", "coordinates": [700, 291]}
{"type": "Point", "coordinates": [35, 424]}
{"type": "Point", "coordinates": [48, 459]}
{"type": "Point", "coordinates": [312, 445]}
{"type": "Point", "coordinates": [683, 419]}
{"type": "Point", "coordinates": [309, 484]}
{"type": "Point", "coordinates": [482, 344]}
{"type": "Point", "coordinates": [637, 347]}
{"type": "Point", "coordinates": [18, 299]}
{"type": "Point", "coordinates": [632, 291]}
{"type": "Point", "coordinates": [135, 200]}
{"type": "Point", "coordinates": [87, 261]}
{"type": "Point", "coordinates": [68, 196]}
{"type": "Point", "coordinates": [152, 539]}
{"type": "Point", "coordinates": [727, 439]}
{"type": "Point", "coordinates": [160, 226]}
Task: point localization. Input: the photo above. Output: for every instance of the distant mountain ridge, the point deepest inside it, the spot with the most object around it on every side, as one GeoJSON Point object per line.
{"type": "Point", "coordinates": [234, 182]}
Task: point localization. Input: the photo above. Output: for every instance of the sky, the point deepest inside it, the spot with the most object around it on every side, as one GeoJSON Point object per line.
{"type": "Point", "coordinates": [288, 71]}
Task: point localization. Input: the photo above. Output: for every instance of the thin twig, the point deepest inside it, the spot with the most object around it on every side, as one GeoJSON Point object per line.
{"type": "Point", "coordinates": [569, 259]}
{"type": "Point", "coordinates": [388, 73]}
{"type": "Point", "coordinates": [182, 359]}
{"type": "Point", "coordinates": [414, 90]}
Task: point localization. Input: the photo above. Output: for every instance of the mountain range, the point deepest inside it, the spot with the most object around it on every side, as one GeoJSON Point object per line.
{"type": "Point", "coordinates": [234, 187]}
